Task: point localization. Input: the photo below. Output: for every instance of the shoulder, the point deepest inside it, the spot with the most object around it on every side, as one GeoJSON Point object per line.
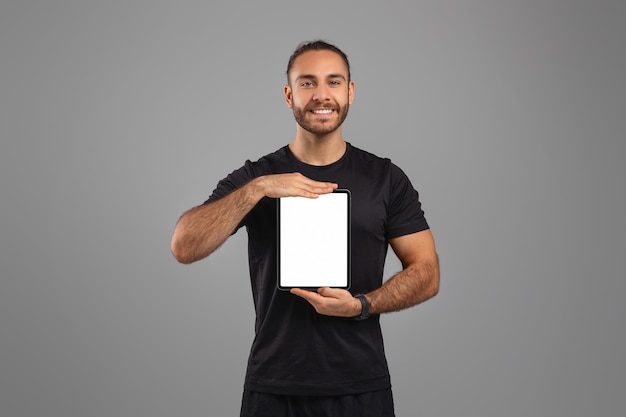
{"type": "Point", "coordinates": [250, 170]}
{"type": "Point", "coordinates": [381, 168]}
{"type": "Point", "coordinates": [368, 157]}
{"type": "Point", "coordinates": [377, 165]}
{"type": "Point", "coordinates": [370, 163]}
{"type": "Point", "coordinates": [266, 164]}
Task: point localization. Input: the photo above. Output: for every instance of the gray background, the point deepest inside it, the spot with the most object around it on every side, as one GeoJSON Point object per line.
{"type": "Point", "coordinates": [116, 116]}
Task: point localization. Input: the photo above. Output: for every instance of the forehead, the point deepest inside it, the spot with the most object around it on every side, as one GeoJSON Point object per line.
{"type": "Point", "coordinates": [319, 64]}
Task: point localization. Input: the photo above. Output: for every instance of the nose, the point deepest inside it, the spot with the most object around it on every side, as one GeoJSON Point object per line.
{"type": "Point", "coordinates": [321, 93]}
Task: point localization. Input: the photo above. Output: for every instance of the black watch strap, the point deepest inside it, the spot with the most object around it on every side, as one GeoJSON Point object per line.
{"type": "Point", "coordinates": [365, 307]}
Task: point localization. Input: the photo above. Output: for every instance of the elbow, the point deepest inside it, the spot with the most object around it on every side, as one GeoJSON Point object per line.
{"type": "Point", "coordinates": [429, 290]}
{"type": "Point", "coordinates": [434, 282]}
{"type": "Point", "coordinates": [180, 251]}
{"type": "Point", "coordinates": [434, 287]}
{"type": "Point", "coordinates": [431, 285]}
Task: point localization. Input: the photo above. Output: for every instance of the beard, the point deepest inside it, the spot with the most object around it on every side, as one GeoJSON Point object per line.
{"type": "Point", "coordinates": [320, 127]}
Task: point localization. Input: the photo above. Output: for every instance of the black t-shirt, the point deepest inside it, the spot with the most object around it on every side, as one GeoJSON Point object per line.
{"type": "Point", "coordinates": [297, 351]}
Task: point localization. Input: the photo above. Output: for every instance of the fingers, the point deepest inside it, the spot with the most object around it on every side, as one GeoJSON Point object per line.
{"type": "Point", "coordinates": [320, 295]}
{"type": "Point", "coordinates": [295, 185]}
{"type": "Point", "coordinates": [330, 301]}
{"type": "Point", "coordinates": [302, 293]}
{"type": "Point", "coordinates": [306, 187]}
{"type": "Point", "coordinates": [331, 292]}
{"type": "Point", "coordinates": [318, 301]}
{"type": "Point", "coordinates": [319, 188]}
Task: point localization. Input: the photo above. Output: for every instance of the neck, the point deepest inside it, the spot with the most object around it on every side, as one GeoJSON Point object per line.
{"type": "Point", "coordinates": [318, 150]}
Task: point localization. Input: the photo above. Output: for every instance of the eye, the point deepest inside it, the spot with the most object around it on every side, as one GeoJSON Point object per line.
{"type": "Point", "coordinates": [335, 83]}
{"type": "Point", "coordinates": [306, 84]}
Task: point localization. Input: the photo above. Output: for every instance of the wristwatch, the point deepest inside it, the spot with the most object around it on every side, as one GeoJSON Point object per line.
{"type": "Point", "coordinates": [365, 307]}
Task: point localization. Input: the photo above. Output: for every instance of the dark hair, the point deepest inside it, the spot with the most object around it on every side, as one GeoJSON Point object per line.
{"type": "Point", "coordinates": [317, 45]}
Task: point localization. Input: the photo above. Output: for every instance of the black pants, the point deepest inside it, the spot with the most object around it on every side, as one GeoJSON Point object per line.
{"type": "Point", "coordinates": [369, 404]}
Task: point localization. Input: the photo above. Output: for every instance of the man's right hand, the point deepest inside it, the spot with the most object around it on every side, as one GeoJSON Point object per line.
{"type": "Point", "coordinates": [292, 185]}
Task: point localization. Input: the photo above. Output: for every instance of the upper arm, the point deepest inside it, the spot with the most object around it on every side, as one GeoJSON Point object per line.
{"type": "Point", "coordinates": [415, 248]}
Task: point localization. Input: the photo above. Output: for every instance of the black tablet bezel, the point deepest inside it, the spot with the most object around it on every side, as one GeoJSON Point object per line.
{"type": "Point", "coordinates": [348, 245]}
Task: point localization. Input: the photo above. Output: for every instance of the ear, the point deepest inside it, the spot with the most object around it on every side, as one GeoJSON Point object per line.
{"type": "Point", "coordinates": [288, 96]}
{"type": "Point", "coordinates": [351, 92]}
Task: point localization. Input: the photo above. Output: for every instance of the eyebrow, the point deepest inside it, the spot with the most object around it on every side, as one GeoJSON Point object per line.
{"type": "Point", "coordinates": [313, 77]}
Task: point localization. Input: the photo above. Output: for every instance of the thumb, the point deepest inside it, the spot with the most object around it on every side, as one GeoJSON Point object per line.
{"type": "Point", "coordinates": [328, 292]}
{"type": "Point", "coordinates": [323, 291]}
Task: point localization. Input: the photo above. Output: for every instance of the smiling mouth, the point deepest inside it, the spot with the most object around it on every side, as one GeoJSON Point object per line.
{"type": "Point", "coordinates": [322, 111]}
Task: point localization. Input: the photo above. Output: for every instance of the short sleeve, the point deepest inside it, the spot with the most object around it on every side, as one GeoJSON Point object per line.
{"type": "Point", "coordinates": [405, 214]}
{"type": "Point", "coordinates": [233, 181]}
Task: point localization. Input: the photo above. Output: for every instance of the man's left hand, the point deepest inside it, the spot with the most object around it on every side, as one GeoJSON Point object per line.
{"type": "Point", "coordinates": [331, 301]}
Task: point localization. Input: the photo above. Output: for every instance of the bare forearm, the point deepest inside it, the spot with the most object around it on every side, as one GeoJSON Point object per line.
{"type": "Point", "coordinates": [201, 230]}
{"type": "Point", "coordinates": [415, 284]}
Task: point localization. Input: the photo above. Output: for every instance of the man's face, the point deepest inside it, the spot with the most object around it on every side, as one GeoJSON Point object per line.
{"type": "Point", "coordinates": [319, 92]}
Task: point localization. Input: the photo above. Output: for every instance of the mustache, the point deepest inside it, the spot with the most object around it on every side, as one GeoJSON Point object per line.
{"type": "Point", "coordinates": [323, 106]}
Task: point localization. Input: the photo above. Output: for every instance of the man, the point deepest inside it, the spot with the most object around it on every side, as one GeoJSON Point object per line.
{"type": "Point", "coordinates": [319, 353]}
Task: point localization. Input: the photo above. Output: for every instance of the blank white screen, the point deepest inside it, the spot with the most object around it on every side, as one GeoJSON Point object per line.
{"type": "Point", "coordinates": [314, 241]}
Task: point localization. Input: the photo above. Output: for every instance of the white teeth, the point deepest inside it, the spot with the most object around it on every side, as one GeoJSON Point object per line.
{"type": "Point", "coordinates": [323, 111]}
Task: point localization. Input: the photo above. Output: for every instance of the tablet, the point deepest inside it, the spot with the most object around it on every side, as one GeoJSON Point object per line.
{"type": "Point", "coordinates": [314, 241]}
